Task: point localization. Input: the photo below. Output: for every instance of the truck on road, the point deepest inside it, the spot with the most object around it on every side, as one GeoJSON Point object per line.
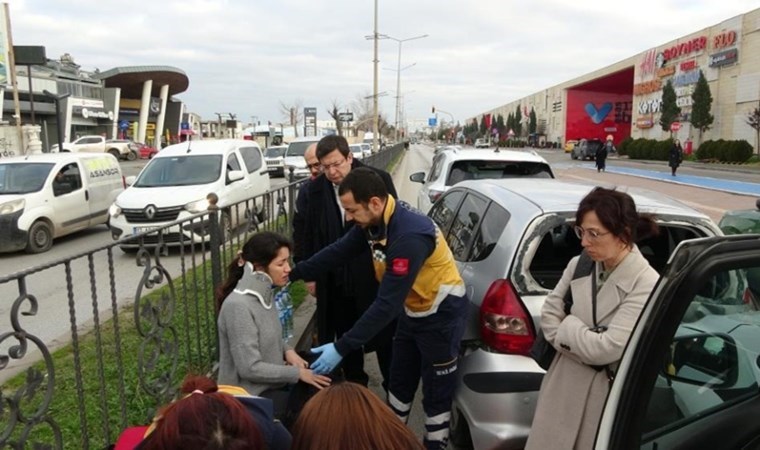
{"type": "Point", "coordinates": [119, 148]}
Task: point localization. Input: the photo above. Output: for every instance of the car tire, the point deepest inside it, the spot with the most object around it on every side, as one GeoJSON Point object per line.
{"type": "Point", "coordinates": [459, 437]}
{"type": "Point", "coordinates": [131, 156]}
{"type": "Point", "coordinates": [573, 155]}
{"type": "Point", "coordinates": [129, 250]}
{"type": "Point", "coordinates": [116, 154]}
{"type": "Point", "coordinates": [40, 237]}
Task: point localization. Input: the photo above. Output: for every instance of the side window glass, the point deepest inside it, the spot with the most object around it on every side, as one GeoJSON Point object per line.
{"type": "Point", "coordinates": [557, 247]}
{"type": "Point", "coordinates": [232, 164]}
{"type": "Point", "coordinates": [464, 226]}
{"type": "Point", "coordinates": [443, 212]}
{"type": "Point", "coordinates": [67, 180]}
{"type": "Point", "coordinates": [493, 224]}
{"type": "Point", "coordinates": [435, 170]}
{"type": "Point", "coordinates": [252, 158]}
{"type": "Point", "coordinates": [712, 361]}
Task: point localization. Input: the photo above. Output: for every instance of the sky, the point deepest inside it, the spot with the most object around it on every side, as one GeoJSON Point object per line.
{"type": "Point", "coordinates": [250, 57]}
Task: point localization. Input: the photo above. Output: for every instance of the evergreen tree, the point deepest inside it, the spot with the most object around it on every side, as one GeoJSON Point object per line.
{"type": "Point", "coordinates": [701, 105]}
{"type": "Point", "coordinates": [510, 122]}
{"type": "Point", "coordinates": [518, 122]}
{"type": "Point", "coordinates": [669, 111]}
{"type": "Point", "coordinates": [532, 124]}
{"type": "Point", "coordinates": [483, 125]}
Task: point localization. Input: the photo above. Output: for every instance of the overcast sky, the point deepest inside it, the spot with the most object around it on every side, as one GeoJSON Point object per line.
{"type": "Point", "coordinates": [248, 56]}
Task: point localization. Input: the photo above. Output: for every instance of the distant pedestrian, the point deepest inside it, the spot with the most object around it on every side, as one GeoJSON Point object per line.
{"type": "Point", "coordinates": [602, 153]}
{"type": "Point", "coordinates": [676, 156]}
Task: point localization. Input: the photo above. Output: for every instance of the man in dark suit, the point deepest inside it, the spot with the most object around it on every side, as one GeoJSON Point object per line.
{"type": "Point", "coordinates": [345, 292]}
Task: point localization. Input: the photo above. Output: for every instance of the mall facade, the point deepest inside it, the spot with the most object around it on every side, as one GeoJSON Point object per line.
{"type": "Point", "coordinates": [624, 99]}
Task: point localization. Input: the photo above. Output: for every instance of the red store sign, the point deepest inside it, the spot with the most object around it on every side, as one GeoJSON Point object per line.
{"type": "Point", "coordinates": [688, 65]}
{"type": "Point", "coordinates": [695, 45]}
{"type": "Point", "coordinates": [725, 39]}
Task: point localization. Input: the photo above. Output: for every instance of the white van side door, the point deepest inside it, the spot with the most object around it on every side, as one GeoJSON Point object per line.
{"type": "Point", "coordinates": [257, 170]}
{"type": "Point", "coordinates": [70, 200]}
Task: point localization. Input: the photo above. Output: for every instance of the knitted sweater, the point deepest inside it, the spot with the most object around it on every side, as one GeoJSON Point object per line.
{"type": "Point", "coordinates": [251, 348]}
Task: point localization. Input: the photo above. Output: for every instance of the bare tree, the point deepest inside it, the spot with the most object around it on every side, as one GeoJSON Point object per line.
{"type": "Point", "coordinates": [363, 112]}
{"type": "Point", "coordinates": [334, 112]}
{"type": "Point", "coordinates": [292, 113]}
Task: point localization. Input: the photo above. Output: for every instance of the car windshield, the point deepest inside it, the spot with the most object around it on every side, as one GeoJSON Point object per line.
{"type": "Point", "coordinates": [275, 152]}
{"type": "Point", "coordinates": [480, 169]}
{"type": "Point", "coordinates": [355, 148]}
{"type": "Point", "coordinates": [23, 178]}
{"type": "Point", "coordinates": [181, 171]}
{"type": "Point", "coordinates": [298, 148]}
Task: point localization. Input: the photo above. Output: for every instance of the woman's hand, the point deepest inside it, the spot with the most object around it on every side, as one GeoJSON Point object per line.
{"type": "Point", "coordinates": [292, 358]}
{"type": "Point", "coordinates": [309, 377]}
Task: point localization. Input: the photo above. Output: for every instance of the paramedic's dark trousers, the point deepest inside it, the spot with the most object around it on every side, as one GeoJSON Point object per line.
{"type": "Point", "coordinates": [428, 348]}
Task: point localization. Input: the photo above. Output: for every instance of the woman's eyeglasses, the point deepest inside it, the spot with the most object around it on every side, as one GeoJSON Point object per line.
{"type": "Point", "coordinates": [591, 234]}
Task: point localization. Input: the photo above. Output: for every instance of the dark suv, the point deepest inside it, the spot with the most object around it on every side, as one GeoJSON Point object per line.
{"type": "Point", "coordinates": [586, 149]}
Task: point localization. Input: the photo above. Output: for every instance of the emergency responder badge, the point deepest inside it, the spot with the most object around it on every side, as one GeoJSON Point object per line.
{"type": "Point", "coordinates": [400, 266]}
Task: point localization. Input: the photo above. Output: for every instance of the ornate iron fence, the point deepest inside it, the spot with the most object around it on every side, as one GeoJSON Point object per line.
{"type": "Point", "coordinates": [94, 344]}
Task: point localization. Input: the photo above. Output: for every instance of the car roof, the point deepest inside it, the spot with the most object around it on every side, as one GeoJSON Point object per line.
{"type": "Point", "coordinates": [459, 154]}
{"type": "Point", "coordinates": [207, 147]}
{"type": "Point", "coordinates": [52, 157]}
{"type": "Point", "coordinates": [277, 146]}
{"type": "Point", "coordinates": [305, 139]}
{"type": "Point", "coordinates": [554, 196]}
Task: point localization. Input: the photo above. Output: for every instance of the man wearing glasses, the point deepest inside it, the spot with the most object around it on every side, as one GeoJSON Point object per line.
{"type": "Point", "coordinates": [344, 292]}
{"type": "Point", "coordinates": [299, 214]}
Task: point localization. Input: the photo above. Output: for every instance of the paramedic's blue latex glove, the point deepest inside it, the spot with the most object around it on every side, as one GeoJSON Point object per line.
{"type": "Point", "coordinates": [327, 361]}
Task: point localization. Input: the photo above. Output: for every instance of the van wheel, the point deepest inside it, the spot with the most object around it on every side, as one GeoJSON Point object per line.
{"type": "Point", "coordinates": [40, 237]}
{"type": "Point", "coordinates": [131, 156]}
{"type": "Point", "coordinates": [115, 153]}
{"type": "Point", "coordinates": [459, 437]}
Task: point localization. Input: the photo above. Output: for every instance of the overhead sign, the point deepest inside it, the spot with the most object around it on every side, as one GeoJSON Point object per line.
{"type": "Point", "coordinates": [432, 121]}
{"type": "Point", "coordinates": [184, 126]}
{"type": "Point", "coordinates": [346, 117]}
{"type": "Point", "coordinates": [123, 125]}
{"type": "Point", "coordinates": [724, 58]}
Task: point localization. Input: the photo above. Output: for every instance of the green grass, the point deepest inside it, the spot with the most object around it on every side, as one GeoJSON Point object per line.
{"type": "Point", "coordinates": [193, 351]}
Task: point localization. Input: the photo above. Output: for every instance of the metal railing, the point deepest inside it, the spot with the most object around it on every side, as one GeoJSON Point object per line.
{"type": "Point", "coordinates": [92, 346]}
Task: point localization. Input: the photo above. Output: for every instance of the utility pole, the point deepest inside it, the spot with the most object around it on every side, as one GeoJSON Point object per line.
{"type": "Point", "coordinates": [375, 124]}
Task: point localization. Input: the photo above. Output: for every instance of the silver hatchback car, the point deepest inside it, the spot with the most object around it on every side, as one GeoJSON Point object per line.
{"type": "Point", "coordinates": [512, 239]}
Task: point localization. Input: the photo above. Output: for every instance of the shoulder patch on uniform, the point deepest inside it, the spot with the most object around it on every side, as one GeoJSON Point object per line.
{"type": "Point", "coordinates": [400, 266]}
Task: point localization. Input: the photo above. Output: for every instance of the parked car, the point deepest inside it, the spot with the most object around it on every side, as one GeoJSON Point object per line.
{"type": "Point", "coordinates": [586, 149]}
{"type": "Point", "coordinates": [481, 143]}
{"type": "Point", "coordinates": [275, 159]}
{"type": "Point", "coordinates": [570, 145]}
{"type": "Point", "coordinates": [294, 156]}
{"type": "Point", "coordinates": [454, 165]}
{"type": "Point", "coordinates": [357, 151]}
{"type": "Point", "coordinates": [119, 148]}
{"type": "Point", "coordinates": [147, 152]}
{"type": "Point", "coordinates": [43, 197]}
{"type": "Point", "coordinates": [367, 149]}
{"type": "Point", "coordinates": [741, 221]}
{"type": "Point", "coordinates": [175, 185]}
{"type": "Point", "coordinates": [512, 241]}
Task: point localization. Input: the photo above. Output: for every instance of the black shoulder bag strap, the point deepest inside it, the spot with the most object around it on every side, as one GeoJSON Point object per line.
{"type": "Point", "coordinates": [597, 328]}
{"type": "Point", "coordinates": [582, 269]}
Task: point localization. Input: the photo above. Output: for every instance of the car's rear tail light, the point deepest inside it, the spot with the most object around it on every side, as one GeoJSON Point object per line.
{"type": "Point", "coordinates": [434, 195]}
{"type": "Point", "coordinates": [505, 324]}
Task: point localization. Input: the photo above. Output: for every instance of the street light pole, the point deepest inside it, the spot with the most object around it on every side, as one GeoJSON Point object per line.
{"type": "Point", "coordinates": [375, 124]}
{"type": "Point", "coordinates": [398, 73]}
{"type": "Point", "coordinates": [57, 100]}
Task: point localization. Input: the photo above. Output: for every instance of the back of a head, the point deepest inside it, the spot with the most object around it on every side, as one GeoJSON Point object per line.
{"type": "Point", "coordinates": [348, 416]}
{"type": "Point", "coordinates": [204, 419]}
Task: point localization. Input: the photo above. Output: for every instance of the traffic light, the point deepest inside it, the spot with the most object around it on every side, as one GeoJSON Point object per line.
{"type": "Point", "coordinates": [433, 110]}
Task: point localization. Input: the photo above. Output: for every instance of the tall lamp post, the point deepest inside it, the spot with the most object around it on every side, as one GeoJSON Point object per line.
{"type": "Point", "coordinates": [398, 70]}
{"type": "Point", "coordinates": [57, 100]}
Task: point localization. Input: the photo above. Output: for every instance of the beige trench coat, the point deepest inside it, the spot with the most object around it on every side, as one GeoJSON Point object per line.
{"type": "Point", "coordinates": [572, 393]}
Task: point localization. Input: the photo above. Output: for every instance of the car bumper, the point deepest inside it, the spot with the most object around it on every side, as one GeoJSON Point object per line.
{"type": "Point", "coordinates": [497, 395]}
{"type": "Point", "coordinates": [190, 232]}
{"type": "Point", "coordinates": [12, 239]}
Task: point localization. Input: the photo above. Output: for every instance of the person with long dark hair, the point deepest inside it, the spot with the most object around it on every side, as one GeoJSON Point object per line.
{"type": "Point", "coordinates": [590, 338]}
{"type": "Point", "coordinates": [252, 352]}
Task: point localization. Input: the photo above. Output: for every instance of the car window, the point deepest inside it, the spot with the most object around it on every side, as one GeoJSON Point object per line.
{"type": "Point", "coordinates": [252, 158]}
{"type": "Point", "coordinates": [485, 169]}
{"type": "Point", "coordinates": [493, 224]}
{"type": "Point", "coordinates": [465, 225]}
{"type": "Point", "coordinates": [711, 363]}
{"type": "Point", "coordinates": [435, 170]}
{"type": "Point", "coordinates": [557, 247]}
{"type": "Point", "coordinates": [274, 152]}
{"type": "Point", "coordinates": [445, 209]}
{"type": "Point", "coordinates": [67, 180]}
{"type": "Point", "coordinates": [185, 170]}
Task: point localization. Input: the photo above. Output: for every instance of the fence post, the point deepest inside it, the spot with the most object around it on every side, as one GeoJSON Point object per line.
{"type": "Point", "coordinates": [215, 239]}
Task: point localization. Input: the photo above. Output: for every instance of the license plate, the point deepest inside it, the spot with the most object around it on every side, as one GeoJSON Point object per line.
{"type": "Point", "coordinates": [136, 230]}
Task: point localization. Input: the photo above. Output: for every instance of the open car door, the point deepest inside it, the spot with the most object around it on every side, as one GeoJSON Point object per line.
{"type": "Point", "coordinates": [690, 375]}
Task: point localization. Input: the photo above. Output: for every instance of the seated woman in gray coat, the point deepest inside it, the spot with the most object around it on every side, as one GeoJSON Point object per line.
{"type": "Point", "coordinates": [590, 340]}
{"type": "Point", "coordinates": [252, 351]}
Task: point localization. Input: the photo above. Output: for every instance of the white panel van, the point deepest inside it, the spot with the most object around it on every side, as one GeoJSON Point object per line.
{"type": "Point", "coordinates": [46, 196]}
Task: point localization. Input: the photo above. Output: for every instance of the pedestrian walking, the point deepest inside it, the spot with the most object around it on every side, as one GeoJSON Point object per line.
{"type": "Point", "coordinates": [601, 154]}
{"type": "Point", "coordinates": [252, 351]}
{"type": "Point", "coordinates": [675, 158]}
{"type": "Point", "coordinates": [590, 338]}
{"type": "Point", "coordinates": [419, 284]}
{"type": "Point", "coordinates": [344, 291]}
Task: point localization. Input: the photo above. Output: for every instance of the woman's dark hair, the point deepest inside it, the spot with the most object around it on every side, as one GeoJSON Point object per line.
{"type": "Point", "coordinates": [617, 212]}
{"type": "Point", "coordinates": [364, 423]}
{"type": "Point", "coordinates": [260, 250]}
{"type": "Point", "coordinates": [203, 419]}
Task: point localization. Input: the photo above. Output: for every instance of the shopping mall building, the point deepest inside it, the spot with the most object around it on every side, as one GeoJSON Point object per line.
{"type": "Point", "coordinates": [624, 99]}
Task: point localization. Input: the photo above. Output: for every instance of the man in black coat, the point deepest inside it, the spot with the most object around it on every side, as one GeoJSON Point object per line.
{"type": "Point", "coordinates": [347, 291]}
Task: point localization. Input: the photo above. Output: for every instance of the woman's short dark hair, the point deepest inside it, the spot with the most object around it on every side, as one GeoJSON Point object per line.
{"type": "Point", "coordinates": [364, 183]}
{"type": "Point", "coordinates": [259, 250]}
{"type": "Point", "coordinates": [617, 212]}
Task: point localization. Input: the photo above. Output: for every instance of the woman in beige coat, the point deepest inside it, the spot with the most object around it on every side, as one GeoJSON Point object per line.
{"type": "Point", "coordinates": [573, 392]}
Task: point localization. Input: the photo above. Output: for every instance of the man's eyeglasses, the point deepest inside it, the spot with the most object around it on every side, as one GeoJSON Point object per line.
{"type": "Point", "coordinates": [335, 165]}
{"type": "Point", "coordinates": [591, 234]}
{"type": "Point", "coordinates": [315, 166]}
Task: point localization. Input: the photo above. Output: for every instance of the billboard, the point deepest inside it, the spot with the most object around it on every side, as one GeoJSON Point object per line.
{"type": "Point", "coordinates": [4, 48]}
{"type": "Point", "coordinates": [310, 121]}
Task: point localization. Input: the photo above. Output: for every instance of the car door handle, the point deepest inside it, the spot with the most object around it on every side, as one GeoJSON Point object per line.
{"type": "Point", "coordinates": [86, 194]}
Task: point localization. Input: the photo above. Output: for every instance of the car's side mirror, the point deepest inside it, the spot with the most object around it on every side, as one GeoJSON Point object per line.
{"type": "Point", "coordinates": [417, 177]}
{"type": "Point", "coordinates": [703, 359]}
{"type": "Point", "coordinates": [235, 175]}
